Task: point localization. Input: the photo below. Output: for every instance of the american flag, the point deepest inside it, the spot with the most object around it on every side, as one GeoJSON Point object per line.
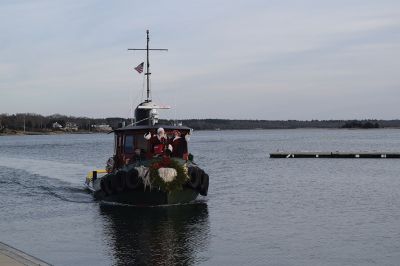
{"type": "Point", "coordinates": [139, 68]}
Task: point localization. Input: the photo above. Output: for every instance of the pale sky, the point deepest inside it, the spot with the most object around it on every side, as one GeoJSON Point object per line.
{"type": "Point", "coordinates": [227, 59]}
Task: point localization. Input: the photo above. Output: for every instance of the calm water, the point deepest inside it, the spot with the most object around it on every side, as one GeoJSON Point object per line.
{"type": "Point", "coordinates": [259, 211]}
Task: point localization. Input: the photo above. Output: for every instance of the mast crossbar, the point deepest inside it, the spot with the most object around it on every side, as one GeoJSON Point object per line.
{"type": "Point", "coordinates": [147, 49]}
{"type": "Point", "coordinates": [134, 49]}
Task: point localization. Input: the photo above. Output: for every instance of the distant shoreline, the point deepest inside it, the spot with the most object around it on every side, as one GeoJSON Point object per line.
{"type": "Point", "coordinates": [35, 124]}
{"type": "Point", "coordinates": [40, 133]}
{"type": "Point", "coordinates": [47, 133]}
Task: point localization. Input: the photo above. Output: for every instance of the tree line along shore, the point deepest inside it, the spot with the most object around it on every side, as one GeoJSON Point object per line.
{"type": "Point", "coordinates": [28, 123]}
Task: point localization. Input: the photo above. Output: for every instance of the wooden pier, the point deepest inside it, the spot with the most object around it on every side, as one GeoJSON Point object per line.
{"type": "Point", "coordinates": [337, 154]}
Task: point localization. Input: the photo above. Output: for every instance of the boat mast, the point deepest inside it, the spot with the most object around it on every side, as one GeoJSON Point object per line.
{"type": "Point", "coordinates": [147, 63]}
{"type": "Point", "coordinates": [148, 67]}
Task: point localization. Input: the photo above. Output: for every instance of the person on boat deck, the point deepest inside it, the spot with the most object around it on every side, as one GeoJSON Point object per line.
{"type": "Point", "coordinates": [179, 145]}
{"type": "Point", "coordinates": [159, 142]}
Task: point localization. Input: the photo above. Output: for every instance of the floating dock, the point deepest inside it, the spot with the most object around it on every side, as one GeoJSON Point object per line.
{"type": "Point", "coordinates": [337, 154]}
{"type": "Point", "coordinates": [13, 257]}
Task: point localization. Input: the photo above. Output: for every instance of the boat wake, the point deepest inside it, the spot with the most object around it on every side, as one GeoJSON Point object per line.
{"type": "Point", "coordinates": [76, 195]}
{"type": "Point", "coordinates": [66, 172]}
{"type": "Point", "coordinates": [28, 180]}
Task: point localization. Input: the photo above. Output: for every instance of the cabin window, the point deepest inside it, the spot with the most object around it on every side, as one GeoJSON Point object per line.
{"type": "Point", "coordinates": [115, 144]}
{"type": "Point", "coordinates": [128, 145]}
{"type": "Point", "coordinates": [141, 143]}
{"type": "Point", "coordinates": [119, 146]}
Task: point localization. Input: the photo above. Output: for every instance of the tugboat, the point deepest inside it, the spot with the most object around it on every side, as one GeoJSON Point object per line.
{"type": "Point", "coordinates": [151, 164]}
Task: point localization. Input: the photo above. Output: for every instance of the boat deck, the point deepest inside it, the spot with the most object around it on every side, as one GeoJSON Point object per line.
{"type": "Point", "coordinates": [13, 257]}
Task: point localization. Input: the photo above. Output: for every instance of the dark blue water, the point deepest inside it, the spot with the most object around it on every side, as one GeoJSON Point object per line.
{"type": "Point", "coordinates": [259, 211]}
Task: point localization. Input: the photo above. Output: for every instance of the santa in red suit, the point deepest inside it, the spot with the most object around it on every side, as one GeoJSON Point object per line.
{"type": "Point", "coordinates": [179, 145]}
{"type": "Point", "coordinates": [159, 142]}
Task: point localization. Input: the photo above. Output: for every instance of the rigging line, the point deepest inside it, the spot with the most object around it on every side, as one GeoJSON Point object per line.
{"type": "Point", "coordinates": [130, 104]}
{"type": "Point", "coordinates": [175, 111]}
{"type": "Point", "coordinates": [139, 94]}
{"type": "Point", "coordinates": [147, 118]}
{"type": "Point", "coordinates": [150, 94]}
{"type": "Point", "coordinates": [133, 101]}
{"type": "Point", "coordinates": [143, 88]}
{"type": "Point", "coordinates": [138, 99]}
{"type": "Point", "coordinates": [133, 105]}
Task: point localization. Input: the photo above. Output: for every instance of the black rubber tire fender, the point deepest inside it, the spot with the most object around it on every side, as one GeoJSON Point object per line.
{"type": "Point", "coordinates": [132, 179]}
{"type": "Point", "coordinates": [205, 180]}
{"type": "Point", "coordinates": [118, 181]}
{"type": "Point", "coordinates": [195, 177]}
{"type": "Point", "coordinates": [105, 184]}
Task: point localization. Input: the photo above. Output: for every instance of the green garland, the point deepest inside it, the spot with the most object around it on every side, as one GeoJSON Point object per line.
{"type": "Point", "coordinates": [180, 179]}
